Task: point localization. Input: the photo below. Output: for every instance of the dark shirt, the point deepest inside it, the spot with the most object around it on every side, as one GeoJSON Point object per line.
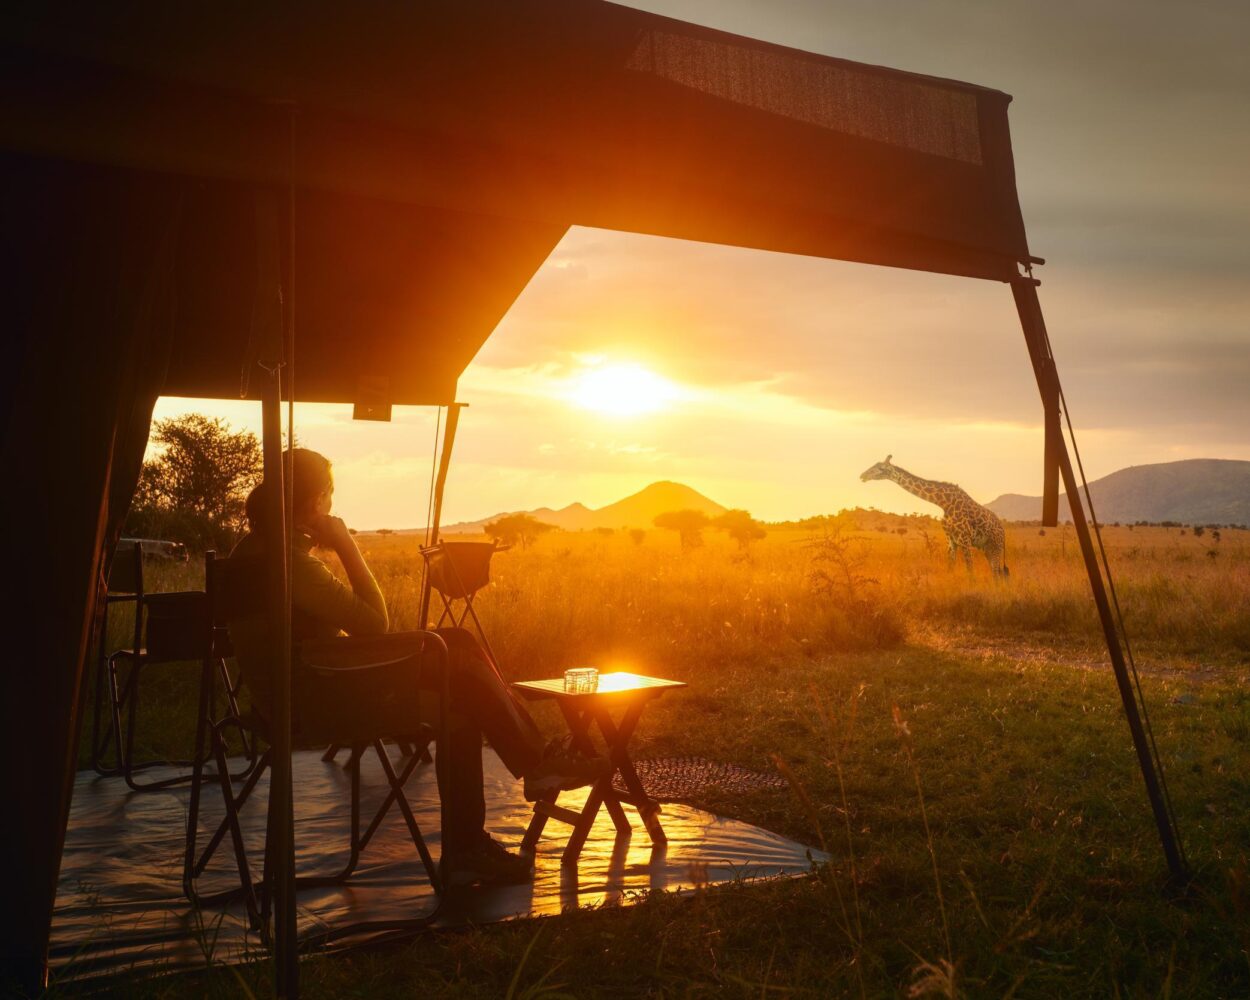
{"type": "Point", "coordinates": [322, 607]}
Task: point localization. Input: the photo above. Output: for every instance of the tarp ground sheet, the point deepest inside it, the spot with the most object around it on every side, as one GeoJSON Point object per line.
{"type": "Point", "coordinates": [120, 904]}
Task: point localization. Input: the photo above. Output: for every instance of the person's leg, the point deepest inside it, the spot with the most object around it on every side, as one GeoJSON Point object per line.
{"type": "Point", "coordinates": [479, 692]}
{"type": "Point", "coordinates": [460, 788]}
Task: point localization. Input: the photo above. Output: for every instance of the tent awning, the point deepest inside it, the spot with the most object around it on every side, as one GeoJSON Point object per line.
{"type": "Point", "coordinates": [442, 150]}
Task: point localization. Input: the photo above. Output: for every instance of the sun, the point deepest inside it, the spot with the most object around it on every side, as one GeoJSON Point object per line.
{"type": "Point", "coordinates": [623, 389]}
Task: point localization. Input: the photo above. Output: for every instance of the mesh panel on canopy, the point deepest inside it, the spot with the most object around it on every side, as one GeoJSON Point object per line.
{"type": "Point", "coordinates": [909, 112]}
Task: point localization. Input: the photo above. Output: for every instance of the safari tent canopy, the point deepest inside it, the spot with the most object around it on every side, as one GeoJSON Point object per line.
{"type": "Point", "coordinates": [442, 151]}
{"type": "Point", "coordinates": [438, 153]}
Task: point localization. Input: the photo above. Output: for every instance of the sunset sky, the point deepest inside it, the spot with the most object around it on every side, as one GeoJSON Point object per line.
{"type": "Point", "coordinates": [770, 382]}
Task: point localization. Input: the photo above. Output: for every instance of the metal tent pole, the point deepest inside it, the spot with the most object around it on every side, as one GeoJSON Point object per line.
{"type": "Point", "coordinates": [268, 353]}
{"type": "Point", "coordinates": [444, 463]}
{"type": "Point", "coordinates": [281, 840]}
{"type": "Point", "coordinates": [282, 798]}
{"type": "Point", "coordinates": [1034, 325]}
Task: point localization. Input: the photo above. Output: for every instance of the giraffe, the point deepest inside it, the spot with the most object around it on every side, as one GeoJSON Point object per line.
{"type": "Point", "coordinates": [967, 524]}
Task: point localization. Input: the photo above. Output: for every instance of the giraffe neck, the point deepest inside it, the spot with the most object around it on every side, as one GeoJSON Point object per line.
{"type": "Point", "coordinates": [927, 489]}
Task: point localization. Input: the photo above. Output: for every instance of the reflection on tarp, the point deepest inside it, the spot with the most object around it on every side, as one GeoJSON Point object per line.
{"type": "Point", "coordinates": [120, 905]}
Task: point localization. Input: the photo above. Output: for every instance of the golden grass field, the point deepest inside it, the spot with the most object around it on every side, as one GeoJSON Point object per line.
{"type": "Point", "coordinates": [957, 745]}
{"type": "Point", "coordinates": [856, 584]}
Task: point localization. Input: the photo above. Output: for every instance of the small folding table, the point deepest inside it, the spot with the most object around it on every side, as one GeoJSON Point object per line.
{"type": "Point", "coordinates": [624, 693]}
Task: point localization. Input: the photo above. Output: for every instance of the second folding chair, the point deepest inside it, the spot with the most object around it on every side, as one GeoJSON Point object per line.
{"type": "Point", "coordinates": [168, 627]}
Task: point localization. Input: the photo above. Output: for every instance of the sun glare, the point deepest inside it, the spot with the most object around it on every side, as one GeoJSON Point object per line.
{"type": "Point", "coordinates": [623, 390]}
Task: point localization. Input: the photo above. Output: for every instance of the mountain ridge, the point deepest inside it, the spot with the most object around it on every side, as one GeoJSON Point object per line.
{"type": "Point", "coordinates": [637, 510]}
{"type": "Point", "coordinates": [1191, 491]}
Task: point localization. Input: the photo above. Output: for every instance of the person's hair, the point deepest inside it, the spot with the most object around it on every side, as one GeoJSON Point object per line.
{"type": "Point", "coordinates": [311, 474]}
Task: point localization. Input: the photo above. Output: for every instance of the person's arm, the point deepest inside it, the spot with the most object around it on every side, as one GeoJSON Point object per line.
{"type": "Point", "coordinates": [360, 610]}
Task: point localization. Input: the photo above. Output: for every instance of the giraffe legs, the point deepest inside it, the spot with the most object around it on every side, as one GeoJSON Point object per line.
{"type": "Point", "coordinates": [997, 559]}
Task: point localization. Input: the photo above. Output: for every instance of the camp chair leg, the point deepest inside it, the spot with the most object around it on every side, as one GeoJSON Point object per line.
{"type": "Point", "coordinates": [236, 833]}
{"type": "Point", "coordinates": [100, 699]}
{"type": "Point", "coordinates": [356, 846]}
{"type": "Point", "coordinates": [102, 735]}
{"type": "Point", "coordinates": [232, 711]}
{"type": "Point", "coordinates": [129, 767]}
{"type": "Point", "coordinates": [397, 793]}
{"type": "Point", "coordinates": [407, 748]}
{"type": "Point", "coordinates": [197, 775]}
{"type": "Point", "coordinates": [332, 752]}
{"type": "Point", "coordinates": [127, 696]}
{"type": "Point", "coordinates": [131, 695]}
{"type": "Point", "coordinates": [470, 610]}
{"type": "Point", "coordinates": [235, 802]}
{"type": "Point", "coordinates": [354, 759]}
{"type": "Point", "coordinates": [115, 713]}
{"type": "Point", "coordinates": [353, 853]}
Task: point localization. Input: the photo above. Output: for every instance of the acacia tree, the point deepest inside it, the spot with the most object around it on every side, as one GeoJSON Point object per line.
{"type": "Point", "coordinates": [195, 488]}
{"type": "Point", "coordinates": [520, 529]}
{"type": "Point", "coordinates": [688, 524]}
{"type": "Point", "coordinates": [740, 526]}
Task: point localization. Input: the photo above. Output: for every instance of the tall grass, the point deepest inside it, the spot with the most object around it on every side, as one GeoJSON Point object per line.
{"type": "Point", "coordinates": [718, 615]}
{"type": "Point", "coordinates": [573, 597]}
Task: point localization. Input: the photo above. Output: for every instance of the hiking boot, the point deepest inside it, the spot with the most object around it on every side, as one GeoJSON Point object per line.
{"type": "Point", "coordinates": [563, 768]}
{"type": "Point", "coordinates": [486, 863]}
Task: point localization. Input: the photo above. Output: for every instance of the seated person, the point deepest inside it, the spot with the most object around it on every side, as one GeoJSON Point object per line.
{"type": "Point", "coordinates": [481, 703]}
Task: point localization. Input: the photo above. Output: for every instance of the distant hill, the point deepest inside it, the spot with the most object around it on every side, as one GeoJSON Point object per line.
{"type": "Point", "coordinates": [1196, 491]}
{"type": "Point", "coordinates": [636, 511]}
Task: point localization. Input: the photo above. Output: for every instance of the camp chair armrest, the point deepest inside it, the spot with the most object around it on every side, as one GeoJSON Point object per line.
{"type": "Point", "coordinates": [372, 652]}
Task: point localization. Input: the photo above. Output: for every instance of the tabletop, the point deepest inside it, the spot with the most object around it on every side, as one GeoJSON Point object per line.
{"type": "Point", "coordinates": [617, 683]}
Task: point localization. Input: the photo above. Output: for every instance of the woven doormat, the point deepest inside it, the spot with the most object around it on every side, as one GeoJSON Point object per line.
{"type": "Point", "coordinates": [687, 779]}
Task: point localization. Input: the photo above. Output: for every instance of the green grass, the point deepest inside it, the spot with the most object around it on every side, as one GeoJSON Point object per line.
{"type": "Point", "coordinates": [1048, 865]}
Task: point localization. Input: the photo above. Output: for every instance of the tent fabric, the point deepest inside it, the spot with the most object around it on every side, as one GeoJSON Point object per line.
{"type": "Point", "coordinates": [393, 299]}
{"type": "Point", "coordinates": [120, 903]}
{"type": "Point", "coordinates": [566, 112]}
{"type": "Point", "coordinates": [87, 298]}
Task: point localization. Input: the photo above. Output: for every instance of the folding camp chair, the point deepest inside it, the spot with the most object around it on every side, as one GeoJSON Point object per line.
{"type": "Point", "coordinates": [169, 627]}
{"type": "Point", "coordinates": [125, 586]}
{"type": "Point", "coordinates": [458, 570]}
{"type": "Point", "coordinates": [236, 589]}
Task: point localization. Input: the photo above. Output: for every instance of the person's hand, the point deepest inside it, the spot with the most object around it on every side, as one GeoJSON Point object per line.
{"type": "Point", "coordinates": [329, 532]}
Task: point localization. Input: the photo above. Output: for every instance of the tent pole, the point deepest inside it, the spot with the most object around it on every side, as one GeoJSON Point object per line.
{"type": "Point", "coordinates": [440, 484]}
{"type": "Point", "coordinates": [1048, 385]}
{"type": "Point", "coordinates": [280, 798]}
{"type": "Point", "coordinates": [1034, 325]}
{"type": "Point", "coordinates": [444, 463]}
{"type": "Point", "coordinates": [268, 354]}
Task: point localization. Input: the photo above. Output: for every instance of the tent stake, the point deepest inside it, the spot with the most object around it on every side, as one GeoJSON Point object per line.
{"type": "Point", "coordinates": [1034, 326]}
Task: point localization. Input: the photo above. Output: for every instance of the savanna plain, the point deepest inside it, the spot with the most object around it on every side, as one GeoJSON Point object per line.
{"type": "Point", "coordinates": [957, 746]}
